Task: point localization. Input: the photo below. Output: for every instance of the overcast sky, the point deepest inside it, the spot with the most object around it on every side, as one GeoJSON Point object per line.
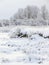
{"type": "Point", "coordinates": [9, 7]}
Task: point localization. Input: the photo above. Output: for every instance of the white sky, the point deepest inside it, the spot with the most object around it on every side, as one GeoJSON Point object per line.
{"type": "Point", "coordinates": [10, 7]}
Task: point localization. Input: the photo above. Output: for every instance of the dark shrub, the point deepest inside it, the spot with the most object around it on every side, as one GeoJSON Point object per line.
{"type": "Point", "coordinates": [40, 34]}
{"type": "Point", "coordinates": [22, 35]}
{"type": "Point", "coordinates": [46, 37]}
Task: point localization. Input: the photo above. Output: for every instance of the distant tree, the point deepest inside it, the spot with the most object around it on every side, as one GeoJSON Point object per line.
{"type": "Point", "coordinates": [31, 12]}
{"type": "Point", "coordinates": [31, 15]}
{"type": "Point", "coordinates": [27, 13]}
{"type": "Point", "coordinates": [0, 24]}
{"type": "Point", "coordinates": [45, 13]}
{"type": "Point", "coordinates": [5, 22]}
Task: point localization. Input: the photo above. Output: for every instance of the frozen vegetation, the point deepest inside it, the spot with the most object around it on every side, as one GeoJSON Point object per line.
{"type": "Point", "coordinates": [31, 15]}
{"type": "Point", "coordinates": [24, 45]}
{"type": "Point", "coordinates": [24, 38]}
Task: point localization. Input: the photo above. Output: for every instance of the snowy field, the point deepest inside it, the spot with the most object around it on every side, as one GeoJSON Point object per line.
{"type": "Point", "coordinates": [24, 45]}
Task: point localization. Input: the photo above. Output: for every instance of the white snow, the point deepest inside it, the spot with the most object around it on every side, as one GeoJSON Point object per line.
{"type": "Point", "coordinates": [33, 50]}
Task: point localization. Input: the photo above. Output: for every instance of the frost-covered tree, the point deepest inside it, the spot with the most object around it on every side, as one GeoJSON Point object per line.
{"type": "Point", "coordinates": [28, 12]}
{"type": "Point", "coordinates": [45, 13]}
{"type": "Point", "coordinates": [31, 15]}
{"type": "Point", "coordinates": [19, 15]}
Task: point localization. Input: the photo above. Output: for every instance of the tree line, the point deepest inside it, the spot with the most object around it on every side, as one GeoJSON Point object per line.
{"type": "Point", "coordinates": [31, 15]}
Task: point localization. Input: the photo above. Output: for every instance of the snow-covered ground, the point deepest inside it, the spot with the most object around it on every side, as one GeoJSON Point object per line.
{"type": "Point", "coordinates": [32, 49]}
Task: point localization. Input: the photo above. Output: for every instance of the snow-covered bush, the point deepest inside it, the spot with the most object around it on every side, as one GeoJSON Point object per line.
{"type": "Point", "coordinates": [20, 32]}
{"type": "Point", "coordinates": [14, 32]}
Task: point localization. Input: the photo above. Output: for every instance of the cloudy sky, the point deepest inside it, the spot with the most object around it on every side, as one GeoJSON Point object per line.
{"type": "Point", "coordinates": [9, 7]}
